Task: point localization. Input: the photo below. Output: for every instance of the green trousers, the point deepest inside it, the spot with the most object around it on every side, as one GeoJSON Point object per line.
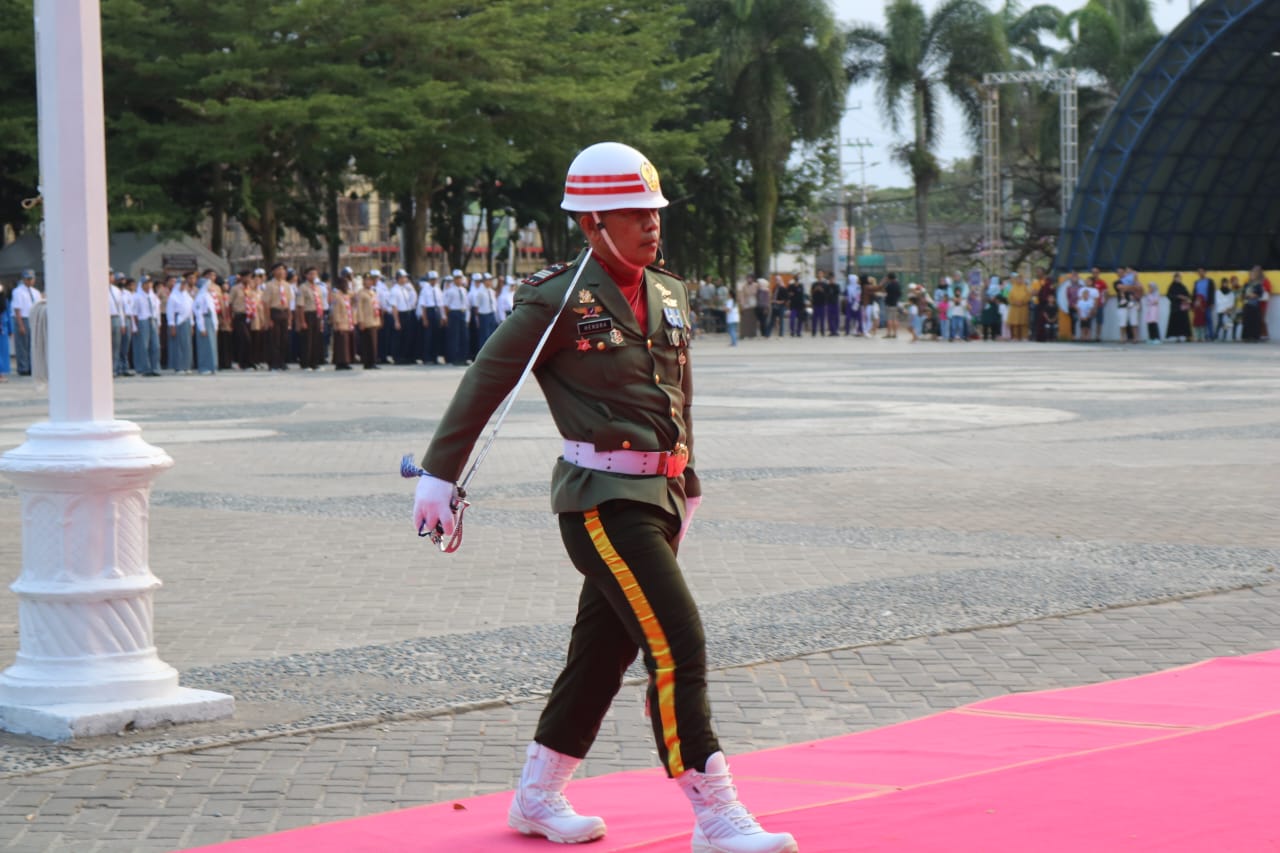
{"type": "Point", "coordinates": [634, 599]}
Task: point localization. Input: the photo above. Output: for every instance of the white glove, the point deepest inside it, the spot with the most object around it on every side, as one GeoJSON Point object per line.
{"type": "Point", "coordinates": [433, 504]}
{"type": "Point", "coordinates": [690, 507]}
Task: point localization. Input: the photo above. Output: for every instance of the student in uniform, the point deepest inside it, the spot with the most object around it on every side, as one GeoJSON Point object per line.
{"type": "Point", "coordinates": [181, 313]}
{"type": "Point", "coordinates": [616, 375]}
{"type": "Point", "coordinates": [368, 322]}
{"type": "Point", "coordinates": [456, 307]}
{"type": "Point", "coordinates": [429, 318]}
{"type": "Point", "coordinates": [207, 310]}
{"type": "Point", "coordinates": [342, 319]}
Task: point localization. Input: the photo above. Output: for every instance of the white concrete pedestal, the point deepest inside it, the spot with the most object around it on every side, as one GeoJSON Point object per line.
{"type": "Point", "coordinates": [86, 663]}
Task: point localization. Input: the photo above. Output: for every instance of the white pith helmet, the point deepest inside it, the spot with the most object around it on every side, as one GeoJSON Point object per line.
{"type": "Point", "coordinates": [611, 176]}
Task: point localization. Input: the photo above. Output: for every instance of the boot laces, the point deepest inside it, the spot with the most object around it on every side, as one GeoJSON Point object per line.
{"type": "Point", "coordinates": [554, 802]}
{"type": "Point", "coordinates": [723, 795]}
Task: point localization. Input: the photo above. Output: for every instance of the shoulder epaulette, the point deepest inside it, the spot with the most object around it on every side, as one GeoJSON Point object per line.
{"type": "Point", "coordinates": [664, 271]}
{"type": "Point", "coordinates": [543, 275]}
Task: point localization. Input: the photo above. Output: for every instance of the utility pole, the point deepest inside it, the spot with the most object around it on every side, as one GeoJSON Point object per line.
{"type": "Point", "coordinates": [862, 145]}
{"type": "Point", "coordinates": [844, 192]}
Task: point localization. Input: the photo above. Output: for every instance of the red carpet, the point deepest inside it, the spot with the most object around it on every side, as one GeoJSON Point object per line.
{"type": "Point", "coordinates": [1182, 760]}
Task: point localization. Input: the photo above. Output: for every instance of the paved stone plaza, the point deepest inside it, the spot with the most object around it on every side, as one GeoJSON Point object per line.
{"type": "Point", "coordinates": [889, 529]}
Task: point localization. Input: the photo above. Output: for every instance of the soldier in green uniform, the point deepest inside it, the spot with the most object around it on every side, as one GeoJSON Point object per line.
{"type": "Point", "coordinates": [616, 375]}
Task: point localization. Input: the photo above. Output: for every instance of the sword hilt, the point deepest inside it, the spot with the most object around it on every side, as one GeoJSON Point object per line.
{"type": "Point", "coordinates": [410, 470]}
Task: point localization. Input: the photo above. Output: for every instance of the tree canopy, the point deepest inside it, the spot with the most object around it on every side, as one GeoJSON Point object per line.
{"type": "Point", "coordinates": [267, 112]}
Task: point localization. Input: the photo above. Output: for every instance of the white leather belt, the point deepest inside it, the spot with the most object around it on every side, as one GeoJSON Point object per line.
{"type": "Point", "coordinates": [640, 463]}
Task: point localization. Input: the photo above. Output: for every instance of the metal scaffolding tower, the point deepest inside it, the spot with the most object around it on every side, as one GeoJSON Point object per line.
{"type": "Point", "coordinates": [1064, 81]}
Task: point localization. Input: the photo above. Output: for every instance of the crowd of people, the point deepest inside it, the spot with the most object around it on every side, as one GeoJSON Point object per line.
{"type": "Point", "coordinates": [962, 308]}
{"type": "Point", "coordinates": [273, 320]}
{"type": "Point", "coordinates": [277, 319]}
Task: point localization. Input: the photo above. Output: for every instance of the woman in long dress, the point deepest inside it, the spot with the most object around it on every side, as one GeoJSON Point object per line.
{"type": "Point", "coordinates": [1019, 308]}
{"type": "Point", "coordinates": [1179, 326]}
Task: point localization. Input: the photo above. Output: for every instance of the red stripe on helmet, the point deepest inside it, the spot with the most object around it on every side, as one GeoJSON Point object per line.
{"type": "Point", "coordinates": [603, 179]}
{"type": "Point", "coordinates": [618, 190]}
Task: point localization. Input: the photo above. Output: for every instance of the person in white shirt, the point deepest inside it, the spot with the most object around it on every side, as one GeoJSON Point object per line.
{"type": "Point", "coordinates": [115, 306]}
{"type": "Point", "coordinates": [25, 297]}
{"type": "Point", "coordinates": [146, 332]}
{"type": "Point", "coordinates": [205, 309]}
{"type": "Point", "coordinates": [853, 305]}
{"type": "Point", "coordinates": [428, 318]}
{"type": "Point", "coordinates": [180, 312]}
{"type": "Point", "coordinates": [506, 299]}
{"type": "Point", "coordinates": [390, 319]}
{"type": "Point", "coordinates": [485, 304]}
{"type": "Point", "coordinates": [1086, 308]}
{"type": "Point", "coordinates": [732, 315]}
{"type": "Point", "coordinates": [456, 305]}
{"type": "Point", "coordinates": [1224, 306]}
{"type": "Point", "coordinates": [405, 302]}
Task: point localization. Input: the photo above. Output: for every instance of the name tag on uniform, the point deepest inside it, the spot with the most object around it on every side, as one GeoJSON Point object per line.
{"type": "Point", "coordinates": [597, 324]}
{"type": "Point", "coordinates": [673, 317]}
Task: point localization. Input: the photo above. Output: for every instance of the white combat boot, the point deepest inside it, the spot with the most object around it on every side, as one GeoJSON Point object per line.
{"type": "Point", "coordinates": [539, 806]}
{"type": "Point", "coordinates": [723, 825]}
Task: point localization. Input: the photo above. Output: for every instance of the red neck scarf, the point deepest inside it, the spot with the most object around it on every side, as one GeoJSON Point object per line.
{"type": "Point", "coordinates": [631, 284]}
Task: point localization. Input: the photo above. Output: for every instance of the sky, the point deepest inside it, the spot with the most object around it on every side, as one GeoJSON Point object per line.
{"type": "Point", "coordinates": [863, 123]}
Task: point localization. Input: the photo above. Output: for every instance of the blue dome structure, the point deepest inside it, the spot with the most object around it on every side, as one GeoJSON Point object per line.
{"type": "Point", "coordinates": [1185, 171]}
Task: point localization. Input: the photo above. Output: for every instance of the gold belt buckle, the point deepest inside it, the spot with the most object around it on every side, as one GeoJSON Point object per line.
{"type": "Point", "coordinates": [677, 460]}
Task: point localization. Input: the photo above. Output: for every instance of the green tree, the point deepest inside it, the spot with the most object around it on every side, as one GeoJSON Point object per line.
{"type": "Point", "coordinates": [914, 60]}
{"type": "Point", "coordinates": [782, 81]}
{"type": "Point", "coordinates": [226, 107]}
{"type": "Point", "coordinates": [1110, 38]}
{"type": "Point", "coordinates": [18, 143]}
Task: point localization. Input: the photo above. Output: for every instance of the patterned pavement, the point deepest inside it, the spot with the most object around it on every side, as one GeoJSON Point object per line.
{"type": "Point", "coordinates": [889, 530]}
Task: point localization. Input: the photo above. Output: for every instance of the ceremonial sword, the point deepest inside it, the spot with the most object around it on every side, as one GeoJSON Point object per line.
{"type": "Point", "coordinates": [458, 506]}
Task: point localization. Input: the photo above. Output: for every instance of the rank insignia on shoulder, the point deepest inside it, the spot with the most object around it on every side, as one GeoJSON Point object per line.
{"type": "Point", "coordinates": [669, 302]}
{"type": "Point", "coordinates": [661, 288]}
{"type": "Point", "coordinates": [586, 297]}
{"type": "Point", "coordinates": [542, 275]}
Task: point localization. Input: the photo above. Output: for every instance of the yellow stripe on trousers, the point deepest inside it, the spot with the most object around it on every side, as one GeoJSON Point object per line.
{"type": "Point", "coordinates": [665, 674]}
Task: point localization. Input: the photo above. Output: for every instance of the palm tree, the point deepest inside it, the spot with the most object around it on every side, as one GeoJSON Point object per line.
{"type": "Point", "coordinates": [1110, 38]}
{"type": "Point", "coordinates": [914, 60]}
{"type": "Point", "coordinates": [1023, 30]}
{"type": "Point", "coordinates": [781, 72]}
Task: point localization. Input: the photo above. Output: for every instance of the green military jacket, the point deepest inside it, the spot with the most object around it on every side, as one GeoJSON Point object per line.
{"type": "Point", "coordinates": [606, 380]}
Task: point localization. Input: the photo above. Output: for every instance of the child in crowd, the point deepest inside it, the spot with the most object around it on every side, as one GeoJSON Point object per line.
{"type": "Point", "coordinates": [1050, 317]}
{"type": "Point", "coordinates": [1086, 308]}
{"type": "Point", "coordinates": [958, 316]}
{"type": "Point", "coordinates": [991, 318]}
{"type": "Point", "coordinates": [944, 305]}
{"type": "Point", "coordinates": [1199, 319]}
{"type": "Point", "coordinates": [732, 316]}
{"type": "Point", "coordinates": [1151, 313]}
{"type": "Point", "coordinates": [976, 299]}
{"type": "Point", "coordinates": [1224, 305]}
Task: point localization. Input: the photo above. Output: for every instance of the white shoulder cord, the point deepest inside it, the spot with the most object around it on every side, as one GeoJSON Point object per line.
{"type": "Point", "coordinates": [459, 505]}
